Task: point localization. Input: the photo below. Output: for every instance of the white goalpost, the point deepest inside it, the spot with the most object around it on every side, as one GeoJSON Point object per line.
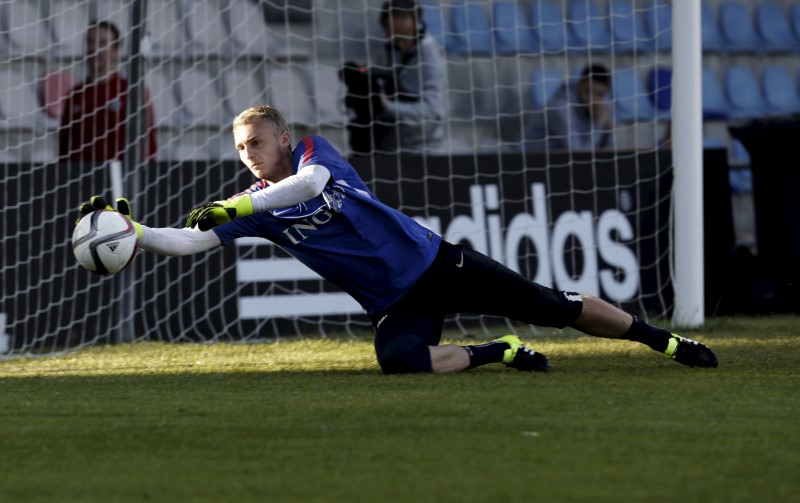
{"type": "Point", "coordinates": [688, 161]}
{"type": "Point", "coordinates": [616, 221]}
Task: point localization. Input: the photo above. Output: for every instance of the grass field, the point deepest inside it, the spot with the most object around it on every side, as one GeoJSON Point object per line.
{"type": "Point", "coordinates": [314, 420]}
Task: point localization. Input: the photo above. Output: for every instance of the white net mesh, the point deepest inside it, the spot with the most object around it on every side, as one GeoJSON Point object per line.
{"type": "Point", "coordinates": [590, 219]}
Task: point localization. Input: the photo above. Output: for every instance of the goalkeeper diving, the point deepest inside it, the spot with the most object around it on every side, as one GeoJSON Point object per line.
{"type": "Point", "coordinates": [311, 202]}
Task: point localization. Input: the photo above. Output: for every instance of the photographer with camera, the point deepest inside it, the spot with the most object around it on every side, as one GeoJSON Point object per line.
{"type": "Point", "coordinates": [398, 103]}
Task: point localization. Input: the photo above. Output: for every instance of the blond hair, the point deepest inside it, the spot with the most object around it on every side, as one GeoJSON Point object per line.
{"type": "Point", "coordinates": [266, 113]}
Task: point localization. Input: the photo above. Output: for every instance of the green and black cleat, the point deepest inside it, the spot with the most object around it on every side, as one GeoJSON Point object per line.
{"type": "Point", "coordinates": [519, 357]}
{"type": "Point", "coordinates": [689, 352]}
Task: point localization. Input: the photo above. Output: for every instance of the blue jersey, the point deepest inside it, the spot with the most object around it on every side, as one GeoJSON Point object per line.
{"type": "Point", "coordinates": [346, 235]}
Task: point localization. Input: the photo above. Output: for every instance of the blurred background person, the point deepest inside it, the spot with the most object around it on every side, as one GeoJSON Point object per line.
{"type": "Point", "coordinates": [398, 103]}
{"type": "Point", "coordinates": [95, 113]}
{"type": "Point", "coordinates": [577, 117]}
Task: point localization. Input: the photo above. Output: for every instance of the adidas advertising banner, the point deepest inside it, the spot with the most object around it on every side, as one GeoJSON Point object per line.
{"type": "Point", "coordinates": [595, 223]}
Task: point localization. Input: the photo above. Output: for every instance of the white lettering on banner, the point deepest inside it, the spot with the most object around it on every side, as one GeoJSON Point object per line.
{"type": "Point", "coordinates": [617, 254]}
{"type": "Point", "coordinates": [286, 269]}
{"type": "Point", "coordinates": [601, 238]}
{"type": "Point", "coordinates": [303, 304]}
{"type": "Point", "coordinates": [579, 226]}
{"type": "Point", "coordinates": [533, 227]}
{"type": "Point", "coordinates": [482, 231]}
{"type": "Point", "coordinates": [471, 229]}
{"type": "Point", "coordinates": [495, 226]}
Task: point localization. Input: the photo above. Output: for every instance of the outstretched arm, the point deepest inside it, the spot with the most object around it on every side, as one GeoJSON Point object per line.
{"type": "Point", "coordinates": [176, 242]}
{"type": "Point", "coordinates": [306, 184]}
{"type": "Point", "coordinates": [164, 241]}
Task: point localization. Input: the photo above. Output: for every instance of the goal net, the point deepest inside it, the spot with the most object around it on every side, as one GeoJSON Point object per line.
{"type": "Point", "coordinates": [589, 218]}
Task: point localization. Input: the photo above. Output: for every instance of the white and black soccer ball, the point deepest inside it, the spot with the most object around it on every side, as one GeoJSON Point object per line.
{"type": "Point", "coordinates": [104, 242]}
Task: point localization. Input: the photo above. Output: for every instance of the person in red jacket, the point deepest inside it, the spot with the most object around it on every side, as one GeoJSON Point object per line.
{"type": "Point", "coordinates": [95, 113]}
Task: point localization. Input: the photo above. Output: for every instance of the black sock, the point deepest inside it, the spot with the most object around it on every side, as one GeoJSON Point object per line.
{"type": "Point", "coordinates": [641, 331]}
{"type": "Point", "coordinates": [491, 352]}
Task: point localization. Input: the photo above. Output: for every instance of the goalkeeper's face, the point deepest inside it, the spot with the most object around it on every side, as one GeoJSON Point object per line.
{"type": "Point", "coordinates": [266, 154]}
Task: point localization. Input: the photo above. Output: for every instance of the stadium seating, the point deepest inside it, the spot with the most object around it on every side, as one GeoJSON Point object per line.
{"type": "Point", "coordinates": [116, 11]}
{"type": "Point", "coordinates": [9, 156]}
{"type": "Point", "coordinates": [740, 176]}
{"type": "Point", "coordinates": [460, 101]}
{"type": "Point", "coordinates": [329, 94]}
{"type": "Point", "coordinates": [709, 27]}
{"type": "Point", "coordinates": [544, 84]}
{"type": "Point", "coordinates": [513, 96]}
{"type": "Point", "coordinates": [435, 24]}
{"type": "Point", "coordinates": [659, 87]}
{"type": "Point", "coordinates": [547, 23]}
{"type": "Point", "coordinates": [242, 89]}
{"type": "Point", "coordinates": [512, 33]}
{"type": "Point", "coordinates": [54, 87]}
{"type": "Point", "coordinates": [797, 79]}
{"type": "Point", "coordinates": [631, 102]}
{"type": "Point", "coordinates": [164, 39]}
{"type": "Point", "coordinates": [744, 93]}
{"type": "Point", "coordinates": [68, 22]}
{"type": "Point", "coordinates": [736, 26]}
{"type": "Point", "coordinates": [780, 93]}
{"type": "Point", "coordinates": [44, 152]}
{"type": "Point", "coordinates": [472, 104]}
{"type": "Point", "coordinates": [658, 25]}
{"type": "Point", "coordinates": [289, 86]}
{"type": "Point", "coordinates": [588, 28]}
{"type": "Point", "coordinates": [237, 40]}
{"type": "Point", "coordinates": [200, 99]}
{"type": "Point", "coordinates": [18, 104]}
{"type": "Point", "coordinates": [627, 28]}
{"type": "Point", "coordinates": [336, 36]}
{"type": "Point", "coordinates": [207, 33]}
{"type": "Point", "coordinates": [715, 104]}
{"type": "Point", "coordinates": [471, 31]}
{"type": "Point", "coordinates": [165, 104]}
{"type": "Point", "coordinates": [712, 142]}
{"type": "Point", "coordinates": [772, 27]}
{"type": "Point", "coordinates": [471, 94]}
{"type": "Point", "coordinates": [27, 33]}
{"type": "Point", "coordinates": [738, 154]}
{"type": "Point", "coordinates": [794, 22]}
{"type": "Point", "coordinates": [484, 87]}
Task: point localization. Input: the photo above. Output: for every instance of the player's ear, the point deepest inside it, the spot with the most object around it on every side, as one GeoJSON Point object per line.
{"type": "Point", "coordinates": [285, 139]}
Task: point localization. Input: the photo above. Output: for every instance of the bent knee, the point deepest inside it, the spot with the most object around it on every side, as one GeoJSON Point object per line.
{"type": "Point", "coordinates": [404, 355]}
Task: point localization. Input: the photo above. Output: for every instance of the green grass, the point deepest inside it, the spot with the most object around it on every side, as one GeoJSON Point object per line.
{"type": "Point", "coordinates": [314, 420]}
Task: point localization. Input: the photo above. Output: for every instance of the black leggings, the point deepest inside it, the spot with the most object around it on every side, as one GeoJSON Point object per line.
{"type": "Point", "coordinates": [461, 280]}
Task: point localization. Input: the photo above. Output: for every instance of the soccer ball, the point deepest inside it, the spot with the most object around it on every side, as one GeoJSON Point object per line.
{"type": "Point", "coordinates": [104, 242]}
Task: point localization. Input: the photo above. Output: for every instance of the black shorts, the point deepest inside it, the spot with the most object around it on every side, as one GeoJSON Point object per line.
{"type": "Point", "coordinates": [461, 280]}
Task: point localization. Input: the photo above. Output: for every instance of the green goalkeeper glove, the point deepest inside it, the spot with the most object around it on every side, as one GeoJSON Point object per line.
{"type": "Point", "coordinates": [97, 203]}
{"type": "Point", "coordinates": [216, 213]}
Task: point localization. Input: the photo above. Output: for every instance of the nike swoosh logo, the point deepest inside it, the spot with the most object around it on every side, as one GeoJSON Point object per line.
{"type": "Point", "coordinates": [461, 264]}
